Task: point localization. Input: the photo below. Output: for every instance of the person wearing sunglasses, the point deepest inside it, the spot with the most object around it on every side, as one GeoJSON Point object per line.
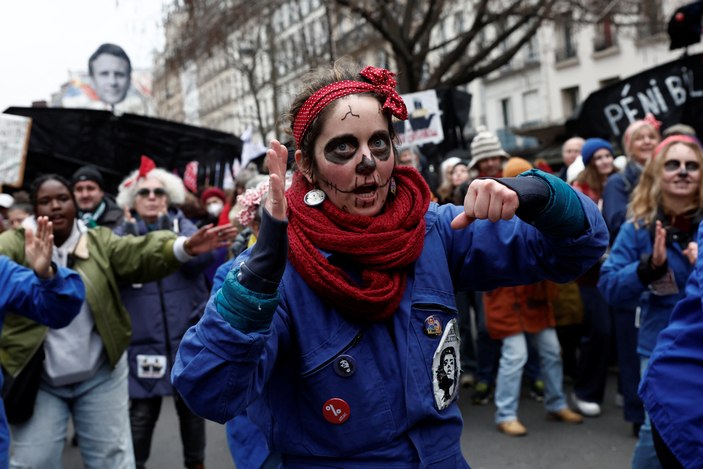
{"type": "Point", "coordinates": [161, 312]}
{"type": "Point", "coordinates": [84, 372]}
{"type": "Point", "coordinates": [655, 251]}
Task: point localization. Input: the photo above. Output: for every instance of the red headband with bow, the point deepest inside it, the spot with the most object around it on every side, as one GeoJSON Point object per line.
{"type": "Point", "coordinates": [380, 81]}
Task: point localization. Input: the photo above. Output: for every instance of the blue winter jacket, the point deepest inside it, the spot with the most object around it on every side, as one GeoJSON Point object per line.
{"type": "Point", "coordinates": [672, 386]}
{"type": "Point", "coordinates": [53, 302]}
{"type": "Point", "coordinates": [161, 312]}
{"type": "Point", "coordinates": [287, 374]}
{"type": "Point", "coordinates": [622, 288]}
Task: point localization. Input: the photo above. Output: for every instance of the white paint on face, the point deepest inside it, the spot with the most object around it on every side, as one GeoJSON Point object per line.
{"type": "Point", "coordinates": [354, 155]}
{"type": "Point", "coordinates": [680, 183]}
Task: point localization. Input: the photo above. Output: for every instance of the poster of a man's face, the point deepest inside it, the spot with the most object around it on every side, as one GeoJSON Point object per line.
{"type": "Point", "coordinates": [110, 70]}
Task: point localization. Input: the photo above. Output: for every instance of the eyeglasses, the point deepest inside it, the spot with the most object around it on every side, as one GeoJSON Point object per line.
{"type": "Point", "coordinates": [145, 192]}
{"type": "Point", "coordinates": [671, 166]}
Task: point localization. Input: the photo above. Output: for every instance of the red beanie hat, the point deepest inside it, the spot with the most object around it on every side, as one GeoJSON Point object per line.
{"type": "Point", "coordinates": [213, 192]}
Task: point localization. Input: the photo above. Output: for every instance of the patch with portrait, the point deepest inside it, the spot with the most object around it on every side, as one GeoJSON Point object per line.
{"type": "Point", "coordinates": [445, 366]}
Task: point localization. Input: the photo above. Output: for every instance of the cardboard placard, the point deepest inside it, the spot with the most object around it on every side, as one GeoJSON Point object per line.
{"type": "Point", "coordinates": [14, 141]}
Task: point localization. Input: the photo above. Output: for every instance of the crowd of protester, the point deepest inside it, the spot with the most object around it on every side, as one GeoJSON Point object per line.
{"type": "Point", "coordinates": [249, 303]}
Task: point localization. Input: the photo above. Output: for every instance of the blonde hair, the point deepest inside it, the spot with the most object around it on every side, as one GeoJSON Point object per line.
{"type": "Point", "coordinates": [647, 196]}
{"type": "Point", "coordinates": [633, 131]}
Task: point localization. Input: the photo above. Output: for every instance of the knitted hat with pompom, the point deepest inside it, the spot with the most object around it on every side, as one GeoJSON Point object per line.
{"type": "Point", "coordinates": [485, 145]}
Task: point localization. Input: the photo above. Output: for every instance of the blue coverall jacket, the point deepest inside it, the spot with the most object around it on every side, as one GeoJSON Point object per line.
{"type": "Point", "coordinates": [672, 386]}
{"type": "Point", "coordinates": [285, 376]}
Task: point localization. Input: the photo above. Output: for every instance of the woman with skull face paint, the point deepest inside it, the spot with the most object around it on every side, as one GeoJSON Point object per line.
{"type": "Point", "coordinates": [354, 265]}
{"type": "Point", "coordinates": [654, 252]}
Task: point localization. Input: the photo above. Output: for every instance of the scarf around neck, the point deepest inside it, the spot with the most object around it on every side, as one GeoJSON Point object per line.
{"type": "Point", "coordinates": [377, 248]}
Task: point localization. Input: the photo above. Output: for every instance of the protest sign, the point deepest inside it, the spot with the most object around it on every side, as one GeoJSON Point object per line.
{"type": "Point", "coordinates": [673, 92]}
{"type": "Point", "coordinates": [424, 123]}
{"type": "Point", "coordinates": [14, 139]}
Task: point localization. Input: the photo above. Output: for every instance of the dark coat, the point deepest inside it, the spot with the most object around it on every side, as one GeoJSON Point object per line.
{"type": "Point", "coordinates": [616, 196]}
{"type": "Point", "coordinates": [112, 216]}
{"type": "Point", "coordinates": [161, 312]}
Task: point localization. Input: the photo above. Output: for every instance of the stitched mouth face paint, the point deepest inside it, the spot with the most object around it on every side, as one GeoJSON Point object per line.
{"type": "Point", "coordinates": [353, 156]}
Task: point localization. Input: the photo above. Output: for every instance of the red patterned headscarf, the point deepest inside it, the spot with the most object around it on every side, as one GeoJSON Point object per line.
{"type": "Point", "coordinates": [380, 81]}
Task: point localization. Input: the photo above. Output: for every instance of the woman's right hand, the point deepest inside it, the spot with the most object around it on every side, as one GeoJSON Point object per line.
{"type": "Point", "coordinates": [127, 215]}
{"type": "Point", "coordinates": [277, 157]}
{"type": "Point", "coordinates": [659, 247]}
{"type": "Point", "coordinates": [39, 246]}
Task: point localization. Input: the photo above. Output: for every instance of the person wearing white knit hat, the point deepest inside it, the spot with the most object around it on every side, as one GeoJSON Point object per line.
{"type": "Point", "coordinates": [487, 154]}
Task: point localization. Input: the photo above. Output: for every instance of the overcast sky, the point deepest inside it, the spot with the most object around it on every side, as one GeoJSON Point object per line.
{"type": "Point", "coordinates": [41, 40]}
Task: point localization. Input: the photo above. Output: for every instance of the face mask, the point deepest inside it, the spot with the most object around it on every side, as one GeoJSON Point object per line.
{"type": "Point", "coordinates": [215, 208]}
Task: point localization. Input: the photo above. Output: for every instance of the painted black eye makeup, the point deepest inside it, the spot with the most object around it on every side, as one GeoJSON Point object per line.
{"type": "Point", "coordinates": [380, 145]}
{"type": "Point", "coordinates": [341, 149]}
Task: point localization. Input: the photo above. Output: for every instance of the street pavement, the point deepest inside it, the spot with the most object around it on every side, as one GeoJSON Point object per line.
{"type": "Point", "coordinates": [599, 443]}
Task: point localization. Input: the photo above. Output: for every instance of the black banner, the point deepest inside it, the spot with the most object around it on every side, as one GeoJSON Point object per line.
{"type": "Point", "coordinates": [62, 140]}
{"type": "Point", "coordinates": [673, 92]}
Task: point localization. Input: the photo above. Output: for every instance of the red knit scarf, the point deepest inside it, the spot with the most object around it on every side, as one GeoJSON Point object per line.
{"type": "Point", "coordinates": [381, 246]}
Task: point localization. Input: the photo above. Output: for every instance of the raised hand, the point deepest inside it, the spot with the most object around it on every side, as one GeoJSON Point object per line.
{"type": "Point", "coordinates": [277, 161]}
{"type": "Point", "coordinates": [691, 252]}
{"type": "Point", "coordinates": [210, 237]}
{"type": "Point", "coordinates": [38, 247]}
{"type": "Point", "coordinates": [659, 246]}
{"type": "Point", "coordinates": [128, 215]}
{"type": "Point", "coordinates": [487, 199]}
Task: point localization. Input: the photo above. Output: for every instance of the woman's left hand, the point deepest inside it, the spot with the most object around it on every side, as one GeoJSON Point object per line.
{"type": "Point", "coordinates": [210, 237]}
{"type": "Point", "coordinates": [487, 199]}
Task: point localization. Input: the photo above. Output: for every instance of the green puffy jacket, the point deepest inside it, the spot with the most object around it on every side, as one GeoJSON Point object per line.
{"type": "Point", "coordinates": [103, 261]}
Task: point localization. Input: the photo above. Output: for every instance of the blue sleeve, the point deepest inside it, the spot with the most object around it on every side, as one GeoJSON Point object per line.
{"type": "Point", "coordinates": [619, 282]}
{"type": "Point", "coordinates": [488, 255]}
{"type": "Point", "coordinates": [53, 302]}
{"type": "Point", "coordinates": [249, 293]}
{"type": "Point", "coordinates": [220, 370]}
{"type": "Point", "coordinates": [563, 214]}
